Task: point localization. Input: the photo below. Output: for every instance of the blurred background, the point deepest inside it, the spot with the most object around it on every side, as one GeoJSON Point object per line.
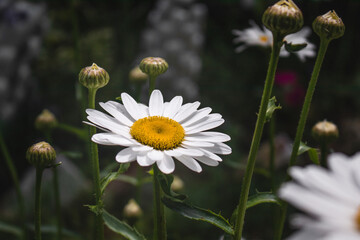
{"type": "Point", "coordinates": [44, 44]}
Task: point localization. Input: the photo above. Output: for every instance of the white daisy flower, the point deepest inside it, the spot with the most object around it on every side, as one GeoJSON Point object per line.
{"type": "Point", "coordinates": [161, 132]}
{"type": "Point", "coordinates": [331, 197]}
{"type": "Point", "coordinates": [256, 36]}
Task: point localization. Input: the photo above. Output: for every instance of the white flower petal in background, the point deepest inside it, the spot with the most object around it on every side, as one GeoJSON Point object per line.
{"type": "Point", "coordinates": [256, 36]}
{"type": "Point", "coordinates": [161, 132]}
{"type": "Point", "coordinates": [330, 196]}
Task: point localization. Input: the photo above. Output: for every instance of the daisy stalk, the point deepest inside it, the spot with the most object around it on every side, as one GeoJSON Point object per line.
{"type": "Point", "coordinates": [281, 19]}
{"type": "Point", "coordinates": [93, 78]}
{"type": "Point", "coordinates": [328, 26]}
{"type": "Point", "coordinates": [15, 178]}
{"type": "Point", "coordinates": [42, 155]}
{"type": "Point", "coordinates": [153, 67]}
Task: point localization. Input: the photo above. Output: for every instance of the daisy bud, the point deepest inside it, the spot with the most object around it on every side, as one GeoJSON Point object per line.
{"type": "Point", "coordinates": [153, 66]}
{"type": "Point", "coordinates": [329, 26]}
{"type": "Point", "coordinates": [325, 131]}
{"type": "Point", "coordinates": [283, 18]}
{"type": "Point", "coordinates": [45, 121]}
{"type": "Point", "coordinates": [137, 76]}
{"type": "Point", "coordinates": [177, 185]}
{"type": "Point", "coordinates": [41, 155]}
{"type": "Point", "coordinates": [132, 210]}
{"type": "Point", "coordinates": [93, 77]}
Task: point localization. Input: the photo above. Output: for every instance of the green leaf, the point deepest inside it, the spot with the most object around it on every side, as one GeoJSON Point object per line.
{"type": "Point", "coordinates": [197, 213]}
{"type": "Point", "coordinates": [95, 208]}
{"type": "Point", "coordinates": [8, 228]}
{"type": "Point", "coordinates": [260, 198]}
{"type": "Point", "coordinates": [112, 176]}
{"type": "Point", "coordinates": [312, 152]}
{"type": "Point", "coordinates": [165, 183]}
{"type": "Point", "coordinates": [121, 227]}
{"type": "Point", "coordinates": [118, 98]}
{"type": "Point", "coordinates": [290, 47]}
{"type": "Point", "coordinates": [271, 108]}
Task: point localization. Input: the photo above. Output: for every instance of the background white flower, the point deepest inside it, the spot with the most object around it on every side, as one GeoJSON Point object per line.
{"type": "Point", "coordinates": [161, 132]}
{"type": "Point", "coordinates": [331, 197]}
{"type": "Point", "coordinates": [256, 36]}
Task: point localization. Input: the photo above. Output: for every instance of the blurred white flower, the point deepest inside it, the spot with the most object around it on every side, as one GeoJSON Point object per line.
{"type": "Point", "coordinates": [330, 196]}
{"type": "Point", "coordinates": [161, 132]}
{"type": "Point", "coordinates": [256, 36]}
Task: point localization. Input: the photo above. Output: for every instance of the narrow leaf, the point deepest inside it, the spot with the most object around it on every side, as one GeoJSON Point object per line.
{"type": "Point", "coordinates": [312, 152]}
{"type": "Point", "coordinates": [271, 108]}
{"type": "Point", "coordinates": [165, 183]}
{"type": "Point", "coordinates": [197, 213]}
{"type": "Point", "coordinates": [121, 227]}
{"type": "Point", "coordinates": [14, 230]}
{"type": "Point", "coordinates": [290, 47]}
{"type": "Point", "coordinates": [112, 176]}
{"type": "Point", "coordinates": [260, 198]}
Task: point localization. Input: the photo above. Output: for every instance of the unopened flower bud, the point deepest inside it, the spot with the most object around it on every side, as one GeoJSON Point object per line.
{"type": "Point", "coordinates": [45, 121]}
{"type": "Point", "coordinates": [93, 77]}
{"type": "Point", "coordinates": [137, 76]}
{"type": "Point", "coordinates": [177, 185]}
{"type": "Point", "coordinates": [41, 155]}
{"type": "Point", "coordinates": [283, 18]}
{"type": "Point", "coordinates": [153, 66]}
{"type": "Point", "coordinates": [325, 132]}
{"type": "Point", "coordinates": [132, 209]}
{"type": "Point", "coordinates": [329, 26]}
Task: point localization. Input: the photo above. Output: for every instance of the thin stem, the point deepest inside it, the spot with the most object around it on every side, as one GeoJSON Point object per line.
{"type": "Point", "coordinates": [159, 213]}
{"type": "Point", "coordinates": [39, 172]}
{"type": "Point", "coordinates": [324, 150]}
{"type": "Point", "coordinates": [272, 150]}
{"type": "Point", "coordinates": [152, 81]}
{"type": "Point", "coordinates": [15, 179]}
{"type": "Point", "coordinates": [302, 121]}
{"type": "Point", "coordinates": [96, 172]}
{"type": "Point", "coordinates": [80, 133]}
{"type": "Point", "coordinates": [269, 82]}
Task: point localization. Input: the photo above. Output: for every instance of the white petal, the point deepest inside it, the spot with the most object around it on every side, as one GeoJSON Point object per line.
{"type": "Point", "coordinates": [144, 161]}
{"type": "Point", "coordinates": [186, 151]}
{"type": "Point", "coordinates": [186, 110]}
{"type": "Point", "coordinates": [94, 125]}
{"type": "Point", "coordinates": [207, 161]}
{"type": "Point", "coordinates": [155, 155]}
{"type": "Point", "coordinates": [166, 165]}
{"type": "Point", "coordinates": [204, 127]}
{"type": "Point", "coordinates": [197, 116]}
{"type": "Point", "coordinates": [190, 163]}
{"type": "Point", "coordinates": [142, 148]}
{"type": "Point", "coordinates": [112, 139]}
{"type": "Point", "coordinates": [197, 144]}
{"type": "Point", "coordinates": [125, 155]}
{"type": "Point", "coordinates": [208, 137]}
{"type": "Point", "coordinates": [121, 108]}
{"type": "Point", "coordinates": [132, 107]}
{"type": "Point", "coordinates": [156, 103]}
{"type": "Point", "coordinates": [173, 107]}
{"type": "Point", "coordinates": [112, 124]}
{"type": "Point", "coordinates": [173, 153]}
{"type": "Point", "coordinates": [117, 114]}
{"type": "Point", "coordinates": [211, 155]}
{"type": "Point", "coordinates": [220, 148]}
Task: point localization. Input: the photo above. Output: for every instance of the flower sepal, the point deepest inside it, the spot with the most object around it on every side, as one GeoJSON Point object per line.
{"type": "Point", "coordinates": [290, 47]}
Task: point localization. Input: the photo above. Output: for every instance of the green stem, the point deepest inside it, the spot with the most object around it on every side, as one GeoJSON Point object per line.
{"type": "Point", "coordinates": [96, 172]}
{"type": "Point", "coordinates": [324, 150]}
{"type": "Point", "coordinates": [15, 179]}
{"type": "Point", "coordinates": [302, 121]}
{"type": "Point", "coordinates": [39, 172]}
{"type": "Point", "coordinates": [159, 213]}
{"type": "Point", "coordinates": [152, 81]}
{"type": "Point", "coordinates": [80, 133]}
{"type": "Point", "coordinates": [272, 151]}
{"type": "Point", "coordinates": [269, 82]}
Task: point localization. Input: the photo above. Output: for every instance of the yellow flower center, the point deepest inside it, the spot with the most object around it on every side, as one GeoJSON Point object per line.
{"type": "Point", "coordinates": [161, 133]}
{"type": "Point", "coordinates": [263, 38]}
{"type": "Point", "coordinates": [357, 220]}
